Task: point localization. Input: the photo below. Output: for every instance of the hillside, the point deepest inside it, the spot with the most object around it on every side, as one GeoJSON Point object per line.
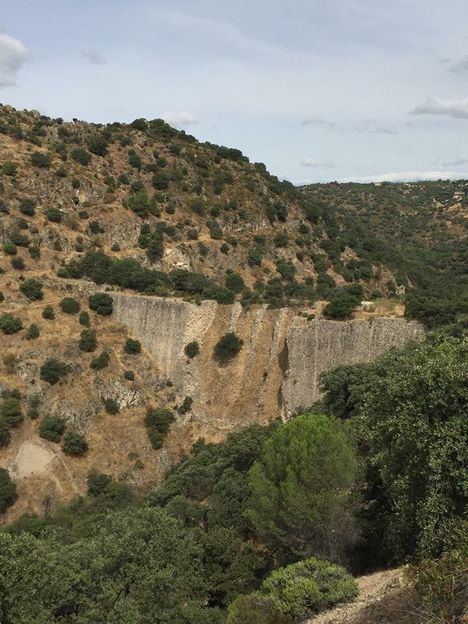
{"type": "Point", "coordinates": [417, 230]}
{"type": "Point", "coordinates": [146, 209]}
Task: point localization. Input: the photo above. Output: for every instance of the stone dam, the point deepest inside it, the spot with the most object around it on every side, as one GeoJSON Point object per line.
{"type": "Point", "coordinates": [277, 371]}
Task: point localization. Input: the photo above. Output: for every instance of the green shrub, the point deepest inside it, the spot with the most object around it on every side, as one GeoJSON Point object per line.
{"type": "Point", "coordinates": [158, 422]}
{"type": "Point", "coordinates": [81, 156]}
{"type": "Point", "coordinates": [5, 435]}
{"type": "Point", "coordinates": [9, 168]}
{"type": "Point", "coordinates": [227, 347]}
{"type": "Point", "coordinates": [111, 406]}
{"type": "Point", "coordinates": [101, 361]}
{"type": "Point", "coordinates": [88, 340]}
{"type": "Point", "coordinates": [307, 587]}
{"type": "Point", "coordinates": [69, 305]}
{"type": "Point", "coordinates": [7, 490]}
{"type": "Point", "coordinates": [192, 349]}
{"type": "Point", "coordinates": [101, 303]}
{"type": "Point", "coordinates": [27, 207]}
{"type": "Point", "coordinates": [234, 282]}
{"type": "Point", "coordinates": [10, 412]}
{"type": "Point", "coordinates": [17, 263]}
{"type": "Point", "coordinates": [9, 248]}
{"type": "Point", "coordinates": [254, 257]}
{"type": "Point", "coordinates": [52, 428]}
{"type": "Point", "coordinates": [341, 306]}
{"type": "Point", "coordinates": [129, 375]}
{"type": "Point", "coordinates": [132, 347]}
{"type": "Point", "coordinates": [74, 444]}
{"type": "Point", "coordinates": [10, 324]}
{"type": "Point", "coordinates": [32, 289]}
{"type": "Point", "coordinates": [256, 608]}
{"type": "Point", "coordinates": [83, 319]}
{"type": "Point", "coordinates": [32, 332]}
{"type": "Point", "coordinates": [53, 370]}
{"type": "Point", "coordinates": [48, 313]}
{"type": "Point", "coordinates": [185, 406]}
{"type": "Point", "coordinates": [41, 160]}
{"type": "Point", "coordinates": [156, 438]}
{"type": "Point", "coordinates": [440, 584]}
{"type": "Point", "coordinates": [54, 214]}
{"type": "Point", "coordinates": [98, 483]}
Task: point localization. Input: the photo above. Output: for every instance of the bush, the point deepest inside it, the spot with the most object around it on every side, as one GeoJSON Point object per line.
{"type": "Point", "coordinates": [234, 282]}
{"type": "Point", "coordinates": [301, 502]}
{"type": "Point", "coordinates": [54, 214]}
{"type": "Point", "coordinates": [32, 289]}
{"type": "Point", "coordinates": [101, 361]}
{"type": "Point", "coordinates": [53, 370]}
{"type": "Point", "coordinates": [10, 412]}
{"type": "Point", "coordinates": [101, 303]}
{"type": "Point", "coordinates": [33, 332]}
{"type": "Point", "coordinates": [158, 422]}
{"type": "Point", "coordinates": [185, 406]}
{"type": "Point", "coordinates": [9, 248]}
{"type": "Point", "coordinates": [129, 375]}
{"type": "Point", "coordinates": [132, 347]}
{"type": "Point", "coordinates": [48, 313]}
{"type": "Point", "coordinates": [98, 483]}
{"type": "Point", "coordinates": [441, 584]}
{"type": "Point", "coordinates": [41, 159]}
{"type": "Point", "coordinates": [10, 324]}
{"type": "Point", "coordinates": [307, 587]}
{"type": "Point", "coordinates": [111, 406]}
{"type": "Point", "coordinates": [88, 341]}
{"type": "Point", "coordinates": [227, 347]}
{"type": "Point", "coordinates": [341, 306]}
{"type": "Point", "coordinates": [255, 608]}
{"type": "Point", "coordinates": [52, 428]}
{"type": "Point", "coordinates": [192, 349]}
{"type": "Point", "coordinates": [69, 305]}
{"type": "Point", "coordinates": [7, 490]}
{"type": "Point", "coordinates": [17, 263]}
{"type": "Point", "coordinates": [81, 156]}
{"type": "Point", "coordinates": [83, 319]}
{"type": "Point", "coordinates": [5, 435]}
{"type": "Point", "coordinates": [9, 168]}
{"type": "Point", "coordinates": [74, 444]}
{"type": "Point", "coordinates": [27, 207]}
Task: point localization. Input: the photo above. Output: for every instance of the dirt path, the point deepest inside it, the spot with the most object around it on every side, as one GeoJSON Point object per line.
{"type": "Point", "coordinates": [382, 599]}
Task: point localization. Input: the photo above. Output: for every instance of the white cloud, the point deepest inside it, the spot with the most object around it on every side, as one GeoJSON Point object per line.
{"type": "Point", "coordinates": [373, 127]}
{"type": "Point", "coordinates": [94, 57]}
{"type": "Point", "coordinates": [450, 108]}
{"type": "Point", "coordinates": [409, 176]}
{"type": "Point", "coordinates": [12, 55]}
{"type": "Point", "coordinates": [310, 162]}
{"type": "Point", "coordinates": [180, 118]}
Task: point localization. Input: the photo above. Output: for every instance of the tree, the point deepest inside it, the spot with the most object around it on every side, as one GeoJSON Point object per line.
{"type": "Point", "coordinates": [101, 361]}
{"type": "Point", "coordinates": [32, 289]}
{"type": "Point", "coordinates": [53, 370]}
{"type": "Point", "coordinates": [135, 565]}
{"type": "Point", "coordinates": [301, 502]}
{"type": "Point", "coordinates": [74, 444]}
{"type": "Point", "coordinates": [7, 495]}
{"type": "Point", "coordinates": [227, 347]}
{"type": "Point", "coordinates": [341, 306]}
{"type": "Point", "coordinates": [412, 421]}
{"type": "Point", "coordinates": [42, 160]}
{"type": "Point", "coordinates": [33, 332]}
{"type": "Point", "coordinates": [101, 303]}
{"type": "Point", "coordinates": [51, 428]}
{"type": "Point", "coordinates": [88, 340]}
{"type": "Point", "coordinates": [192, 349]}
{"type": "Point", "coordinates": [69, 305]}
{"type": "Point", "coordinates": [132, 347]}
{"type": "Point", "coordinates": [10, 324]}
{"type": "Point", "coordinates": [10, 411]}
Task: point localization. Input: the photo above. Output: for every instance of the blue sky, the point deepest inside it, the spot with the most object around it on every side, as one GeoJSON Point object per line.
{"type": "Point", "coordinates": [317, 90]}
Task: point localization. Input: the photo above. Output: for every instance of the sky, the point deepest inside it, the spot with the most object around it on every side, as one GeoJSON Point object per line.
{"type": "Point", "coordinates": [318, 90]}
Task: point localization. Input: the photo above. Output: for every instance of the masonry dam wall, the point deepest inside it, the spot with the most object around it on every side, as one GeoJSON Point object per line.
{"type": "Point", "coordinates": [277, 371]}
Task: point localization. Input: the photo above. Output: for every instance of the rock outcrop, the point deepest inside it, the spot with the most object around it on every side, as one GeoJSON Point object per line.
{"type": "Point", "coordinates": [277, 371]}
